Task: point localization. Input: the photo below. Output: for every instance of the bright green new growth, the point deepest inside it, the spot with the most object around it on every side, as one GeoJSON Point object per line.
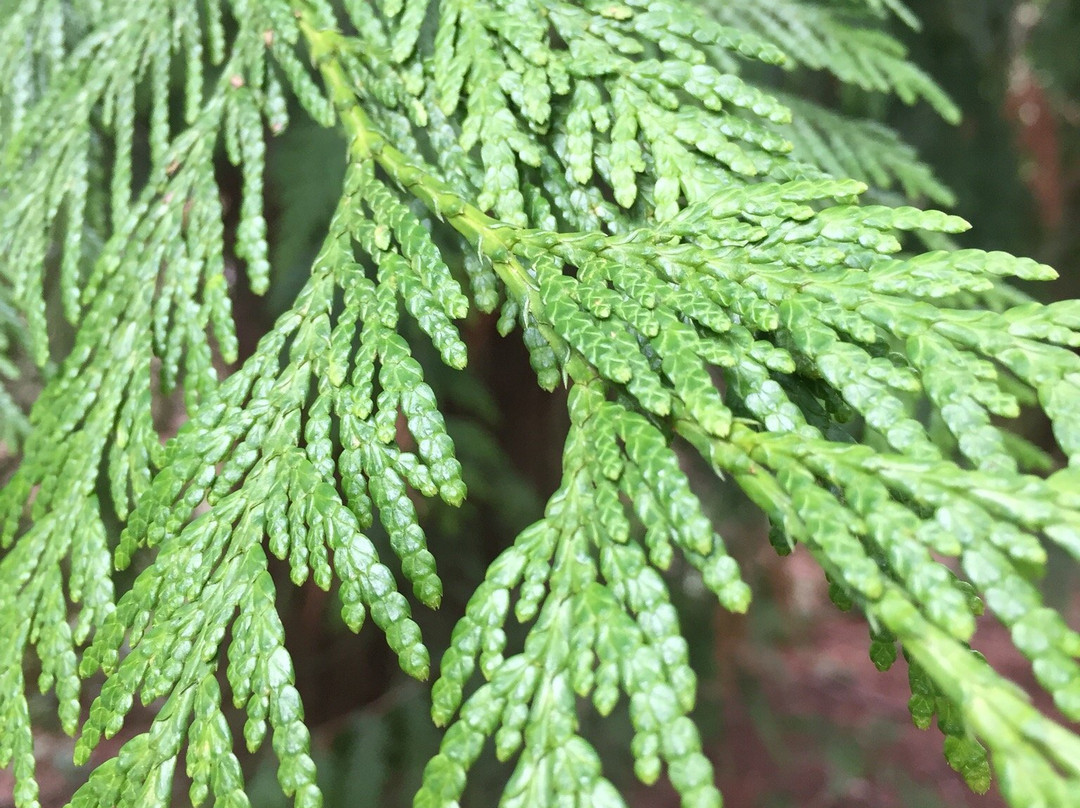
{"type": "Point", "coordinates": [680, 246]}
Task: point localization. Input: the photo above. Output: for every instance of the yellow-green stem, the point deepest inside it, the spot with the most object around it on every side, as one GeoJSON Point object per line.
{"type": "Point", "coordinates": [490, 237]}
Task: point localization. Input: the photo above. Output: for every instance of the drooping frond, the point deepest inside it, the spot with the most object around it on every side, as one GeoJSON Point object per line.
{"type": "Point", "coordinates": [670, 243]}
{"type": "Point", "coordinates": [348, 373]}
{"type": "Point", "coordinates": [143, 299]}
{"type": "Point", "coordinates": [604, 624]}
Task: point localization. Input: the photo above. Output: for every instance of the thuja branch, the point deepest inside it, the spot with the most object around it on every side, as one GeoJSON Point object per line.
{"type": "Point", "coordinates": [675, 290]}
{"type": "Point", "coordinates": [492, 238]}
{"type": "Point", "coordinates": [672, 252]}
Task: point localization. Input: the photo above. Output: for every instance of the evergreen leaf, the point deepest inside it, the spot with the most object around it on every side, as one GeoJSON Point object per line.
{"type": "Point", "coordinates": [688, 252]}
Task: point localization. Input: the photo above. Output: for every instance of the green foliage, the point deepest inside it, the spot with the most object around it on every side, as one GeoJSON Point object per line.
{"type": "Point", "coordinates": [836, 37]}
{"type": "Point", "coordinates": [681, 247]}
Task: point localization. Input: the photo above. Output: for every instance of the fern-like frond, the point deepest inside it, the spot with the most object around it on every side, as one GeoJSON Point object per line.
{"type": "Point", "coordinates": [348, 373]}
{"type": "Point", "coordinates": [143, 300]}
{"type": "Point", "coordinates": [631, 312]}
{"type": "Point", "coordinates": [604, 625]}
{"type": "Point", "coordinates": [630, 309]}
{"type": "Point", "coordinates": [672, 250]}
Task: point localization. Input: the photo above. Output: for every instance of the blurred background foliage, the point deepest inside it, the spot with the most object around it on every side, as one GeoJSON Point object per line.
{"type": "Point", "coordinates": [792, 709]}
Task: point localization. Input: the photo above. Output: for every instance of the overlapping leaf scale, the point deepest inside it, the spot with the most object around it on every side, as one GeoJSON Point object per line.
{"type": "Point", "coordinates": [38, 614]}
{"type": "Point", "coordinates": [963, 752]}
{"type": "Point", "coordinates": [279, 31]}
{"type": "Point", "coordinates": [994, 523]}
{"type": "Point", "coordinates": [59, 167]}
{"type": "Point", "coordinates": [587, 314]}
{"type": "Point", "coordinates": [473, 66]}
{"type": "Point", "coordinates": [994, 348]}
{"type": "Point", "coordinates": [405, 18]}
{"type": "Point", "coordinates": [603, 625]}
{"type": "Point", "coordinates": [175, 659]}
{"type": "Point", "coordinates": [758, 280]}
{"type": "Point", "coordinates": [1033, 756]}
{"type": "Point", "coordinates": [845, 315]}
{"type": "Point", "coordinates": [680, 34]}
{"type": "Point", "coordinates": [633, 330]}
{"type": "Point", "coordinates": [836, 325]}
{"type": "Point", "coordinates": [161, 272]}
{"type": "Point", "coordinates": [409, 261]}
{"type": "Point", "coordinates": [867, 528]}
{"type": "Point", "coordinates": [818, 37]}
{"type": "Point", "coordinates": [184, 260]}
{"type": "Point", "coordinates": [171, 239]}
